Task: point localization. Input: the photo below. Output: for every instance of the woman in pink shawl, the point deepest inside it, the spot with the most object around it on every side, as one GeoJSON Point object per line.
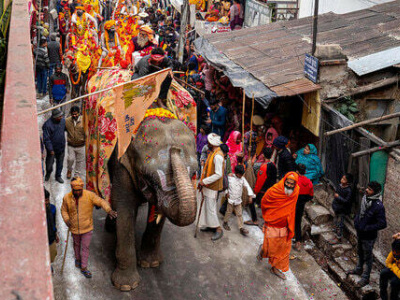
{"type": "Point", "coordinates": [235, 146]}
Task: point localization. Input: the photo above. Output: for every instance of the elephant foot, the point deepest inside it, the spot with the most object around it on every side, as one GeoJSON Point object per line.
{"type": "Point", "coordinates": [150, 260]}
{"type": "Point", "coordinates": [125, 280]}
{"type": "Point", "coordinates": [145, 264]}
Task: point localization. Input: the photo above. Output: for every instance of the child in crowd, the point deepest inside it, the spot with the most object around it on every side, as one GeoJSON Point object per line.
{"type": "Point", "coordinates": [341, 205]}
{"type": "Point", "coordinates": [235, 189]}
{"type": "Point", "coordinates": [391, 274]}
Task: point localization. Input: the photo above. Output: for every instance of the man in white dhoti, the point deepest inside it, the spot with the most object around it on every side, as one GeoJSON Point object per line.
{"type": "Point", "coordinates": [211, 182]}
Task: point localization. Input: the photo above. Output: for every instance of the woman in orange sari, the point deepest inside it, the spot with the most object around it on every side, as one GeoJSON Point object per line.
{"type": "Point", "coordinates": [279, 210]}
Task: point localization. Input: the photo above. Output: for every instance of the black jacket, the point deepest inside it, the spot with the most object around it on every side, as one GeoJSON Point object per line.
{"type": "Point", "coordinates": [342, 204]}
{"type": "Point", "coordinates": [53, 48]}
{"type": "Point", "coordinates": [143, 67]}
{"type": "Point", "coordinates": [286, 163]}
{"type": "Point", "coordinates": [42, 61]}
{"type": "Point", "coordinates": [374, 219]}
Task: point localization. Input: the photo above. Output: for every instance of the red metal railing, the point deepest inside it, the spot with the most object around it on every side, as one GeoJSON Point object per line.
{"type": "Point", "coordinates": [24, 255]}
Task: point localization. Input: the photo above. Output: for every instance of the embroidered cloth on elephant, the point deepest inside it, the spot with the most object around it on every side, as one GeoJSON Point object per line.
{"type": "Point", "coordinates": [101, 124]}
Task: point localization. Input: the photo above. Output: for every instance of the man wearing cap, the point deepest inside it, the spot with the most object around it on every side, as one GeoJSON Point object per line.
{"type": "Point", "coordinates": [210, 184]}
{"type": "Point", "coordinates": [58, 86]}
{"type": "Point", "coordinates": [140, 42]}
{"type": "Point", "coordinates": [54, 141]}
{"type": "Point", "coordinates": [152, 63]}
{"type": "Point", "coordinates": [257, 140]}
{"type": "Point", "coordinates": [77, 212]}
{"type": "Point", "coordinates": [218, 117]}
{"type": "Point", "coordinates": [285, 160]}
{"type": "Point", "coordinates": [54, 51]}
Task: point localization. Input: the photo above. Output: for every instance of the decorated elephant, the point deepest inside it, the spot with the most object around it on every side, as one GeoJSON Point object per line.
{"type": "Point", "coordinates": [157, 168]}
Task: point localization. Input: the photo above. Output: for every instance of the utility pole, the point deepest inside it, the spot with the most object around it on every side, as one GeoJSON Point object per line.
{"type": "Point", "coordinates": [182, 37]}
{"type": "Point", "coordinates": [315, 27]}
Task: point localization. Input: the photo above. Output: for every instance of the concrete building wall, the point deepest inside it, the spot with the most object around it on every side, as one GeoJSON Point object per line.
{"type": "Point", "coordinates": [391, 201]}
{"type": "Point", "coordinates": [337, 6]}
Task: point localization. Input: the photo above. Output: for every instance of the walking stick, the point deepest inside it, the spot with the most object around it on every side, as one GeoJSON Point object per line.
{"type": "Point", "coordinates": [198, 218]}
{"type": "Point", "coordinates": [65, 252]}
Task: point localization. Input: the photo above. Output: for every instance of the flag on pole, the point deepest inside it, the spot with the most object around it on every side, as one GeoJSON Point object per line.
{"type": "Point", "coordinates": [131, 102]}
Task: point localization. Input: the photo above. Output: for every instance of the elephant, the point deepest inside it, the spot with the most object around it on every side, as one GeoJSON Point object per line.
{"type": "Point", "coordinates": [156, 168]}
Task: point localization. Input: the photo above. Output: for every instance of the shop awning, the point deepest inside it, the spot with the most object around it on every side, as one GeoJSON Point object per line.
{"type": "Point", "coordinates": [296, 87]}
{"type": "Point", "coordinates": [237, 75]}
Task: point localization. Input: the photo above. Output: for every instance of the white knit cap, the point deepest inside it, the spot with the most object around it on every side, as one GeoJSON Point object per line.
{"type": "Point", "coordinates": [214, 139]}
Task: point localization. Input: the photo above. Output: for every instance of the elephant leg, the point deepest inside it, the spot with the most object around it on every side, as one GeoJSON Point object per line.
{"type": "Point", "coordinates": [150, 253]}
{"type": "Point", "coordinates": [125, 277]}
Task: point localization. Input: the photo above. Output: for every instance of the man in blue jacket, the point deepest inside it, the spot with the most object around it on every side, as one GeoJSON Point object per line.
{"type": "Point", "coordinates": [218, 118]}
{"type": "Point", "coordinates": [54, 141]}
{"type": "Point", "coordinates": [368, 222]}
{"type": "Point", "coordinates": [58, 86]}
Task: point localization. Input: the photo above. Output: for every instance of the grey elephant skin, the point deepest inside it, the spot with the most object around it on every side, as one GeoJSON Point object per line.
{"type": "Point", "coordinates": [156, 168]}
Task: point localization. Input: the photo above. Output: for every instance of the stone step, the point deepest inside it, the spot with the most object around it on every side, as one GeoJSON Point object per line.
{"type": "Point", "coordinates": [318, 214]}
{"type": "Point", "coordinates": [345, 263]}
{"type": "Point", "coordinates": [336, 271]}
{"type": "Point", "coordinates": [323, 228]}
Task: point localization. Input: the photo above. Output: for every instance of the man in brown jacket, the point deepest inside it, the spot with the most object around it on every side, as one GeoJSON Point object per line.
{"type": "Point", "coordinates": [77, 212]}
{"type": "Point", "coordinates": [76, 143]}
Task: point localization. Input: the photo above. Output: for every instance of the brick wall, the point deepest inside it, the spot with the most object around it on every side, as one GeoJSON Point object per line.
{"type": "Point", "coordinates": [391, 201]}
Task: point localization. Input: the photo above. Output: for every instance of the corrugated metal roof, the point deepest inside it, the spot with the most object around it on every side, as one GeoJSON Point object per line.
{"type": "Point", "coordinates": [274, 53]}
{"type": "Point", "coordinates": [376, 61]}
{"type": "Point", "coordinates": [300, 86]}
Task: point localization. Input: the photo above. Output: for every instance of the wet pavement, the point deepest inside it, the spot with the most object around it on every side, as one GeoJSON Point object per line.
{"type": "Point", "coordinates": [192, 268]}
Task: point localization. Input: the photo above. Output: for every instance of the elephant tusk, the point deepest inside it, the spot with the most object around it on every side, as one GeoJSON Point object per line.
{"type": "Point", "coordinates": [159, 216]}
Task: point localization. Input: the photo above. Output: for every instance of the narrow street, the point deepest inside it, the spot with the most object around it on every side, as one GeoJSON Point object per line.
{"type": "Point", "coordinates": [192, 268]}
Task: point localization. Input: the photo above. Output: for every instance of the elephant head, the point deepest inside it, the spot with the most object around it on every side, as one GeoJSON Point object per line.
{"type": "Point", "coordinates": [165, 160]}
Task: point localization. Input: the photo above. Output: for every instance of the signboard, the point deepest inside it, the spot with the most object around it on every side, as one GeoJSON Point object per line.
{"type": "Point", "coordinates": [256, 14]}
{"type": "Point", "coordinates": [311, 68]}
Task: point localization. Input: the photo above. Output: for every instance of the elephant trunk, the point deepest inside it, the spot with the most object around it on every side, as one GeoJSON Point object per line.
{"type": "Point", "coordinates": [187, 206]}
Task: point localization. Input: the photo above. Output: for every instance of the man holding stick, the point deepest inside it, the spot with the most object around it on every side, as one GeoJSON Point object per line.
{"type": "Point", "coordinates": [211, 182]}
{"type": "Point", "coordinates": [77, 212]}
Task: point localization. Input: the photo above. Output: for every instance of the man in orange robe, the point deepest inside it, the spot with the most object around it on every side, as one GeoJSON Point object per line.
{"type": "Point", "coordinates": [279, 210]}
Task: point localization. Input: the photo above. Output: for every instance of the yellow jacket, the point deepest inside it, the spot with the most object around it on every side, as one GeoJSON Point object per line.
{"type": "Point", "coordinates": [81, 215]}
{"type": "Point", "coordinates": [393, 264]}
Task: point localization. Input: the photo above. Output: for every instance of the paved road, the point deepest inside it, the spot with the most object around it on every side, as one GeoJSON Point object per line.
{"type": "Point", "coordinates": [192, 268]}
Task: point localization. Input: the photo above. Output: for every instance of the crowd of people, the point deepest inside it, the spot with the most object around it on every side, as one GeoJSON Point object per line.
{"type": "Point", "coordinates": [262, 166]}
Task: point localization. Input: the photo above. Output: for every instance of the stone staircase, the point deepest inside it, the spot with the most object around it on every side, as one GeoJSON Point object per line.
{"type": "Point", "coordinates": [336, 259]}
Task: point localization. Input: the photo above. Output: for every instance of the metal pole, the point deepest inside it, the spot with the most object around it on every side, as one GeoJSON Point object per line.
{"type": "Point", "coordinates": [243, 110]}
{"type": "Point", "coordinates": [315, 27]}
{"type": "Point", "coordinates": [182, 37]}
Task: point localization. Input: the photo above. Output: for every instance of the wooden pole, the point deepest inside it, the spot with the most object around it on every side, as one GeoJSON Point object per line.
{"type": "Point", "coordinates": [375, 149]}
{"type": "Point", "coordinates": [359, 124]}
{"type": "Point", "coordinates": [191, 86]}
{"type": "Point", "coordinates": [182, 37]}
{"type": "Point", "coordinates": [65, 251]}
{"type": "Point", "coordinates": [243, 109]}
{"type": "Point", "coordinates": [251, 125]}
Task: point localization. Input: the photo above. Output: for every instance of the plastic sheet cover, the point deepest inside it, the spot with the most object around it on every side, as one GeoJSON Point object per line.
{"type": "Point", "coordinates": [237, 75]}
